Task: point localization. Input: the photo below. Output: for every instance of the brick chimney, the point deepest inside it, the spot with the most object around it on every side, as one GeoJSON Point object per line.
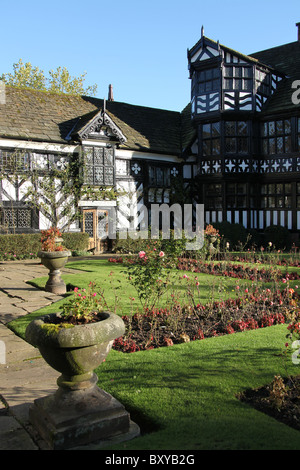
{"type": "Point", "coordinates": [298, 26]}
{"type": "Point", "coordinates": [111, 93]}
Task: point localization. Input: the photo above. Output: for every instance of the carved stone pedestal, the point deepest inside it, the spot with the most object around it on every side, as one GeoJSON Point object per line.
{"type": "Point", "coordinates": [54, 261]}
{"type": "Point", "coordinates": [68, 420]}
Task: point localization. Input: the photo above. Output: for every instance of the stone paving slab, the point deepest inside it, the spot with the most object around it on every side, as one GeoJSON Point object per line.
{"type": "Point", "coordinates": [25, 375]}
{"type": "Point", "coordinates": [13, 436]}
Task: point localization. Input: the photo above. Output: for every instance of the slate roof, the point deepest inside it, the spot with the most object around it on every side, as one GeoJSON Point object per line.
{"type": "Point", "coordinates": [50, 117]}
{"type": "Point", "coordinates": [284, 59]}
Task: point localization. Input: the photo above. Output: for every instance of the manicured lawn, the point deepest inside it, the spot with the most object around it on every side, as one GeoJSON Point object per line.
{"type": "Point", "coordinates": [183, 396]}
{"type": "Point", "coordinates": [119, 292]}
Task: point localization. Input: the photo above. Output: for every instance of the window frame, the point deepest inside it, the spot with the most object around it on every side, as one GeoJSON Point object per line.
{"type": "Point", "coordinates": [15, 208]}
{"type": "Point", "coordinates": [93, 165]}
{"type": "Point", "coordinates": [237, 139]}
{"type": "Point", "coordinates": [236, 195]}
{"type": "Point", "coordinates": [270, 138]}
{"type": "Point", "coordinates": [233, 77]}
{"type": "Point", "coordinates": [207, 84]}
{"type": "Point", "coordinates": [211, 142]}
{"type": "Point", "coordinates": [213, 196]}
{"type": "Point", "coordinates": [272, 193]}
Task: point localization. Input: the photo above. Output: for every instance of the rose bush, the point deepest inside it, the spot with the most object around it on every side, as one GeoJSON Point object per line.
{"type": "Point", "coordinates": [148, 272]}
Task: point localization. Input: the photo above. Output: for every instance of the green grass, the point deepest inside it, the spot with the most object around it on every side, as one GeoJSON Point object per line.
{"type": "Point", "coordinates": [184, 397]}
{"type": "Point", "coordinates": [118, 291]}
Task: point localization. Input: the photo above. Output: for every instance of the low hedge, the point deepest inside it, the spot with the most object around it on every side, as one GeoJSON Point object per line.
{"type": "Point", "coordinates": [27, 245]}
{"type": "Point", "coordinates": [76, 241]}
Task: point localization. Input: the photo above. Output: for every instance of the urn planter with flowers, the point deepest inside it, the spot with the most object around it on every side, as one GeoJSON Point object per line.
{"type": "Point", "coordinates": [75, 342]}
{"type": "Point", "coordinates": [212, 238]}
{"type": "Point", "coordinates": [54, 256]}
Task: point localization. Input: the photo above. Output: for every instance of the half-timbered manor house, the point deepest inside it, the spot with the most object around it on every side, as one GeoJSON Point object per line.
{"type": "Point", "coordinates": [235, 147]}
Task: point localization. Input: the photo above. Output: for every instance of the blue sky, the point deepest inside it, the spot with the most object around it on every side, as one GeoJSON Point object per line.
{"type": "Point", "coordinates": [138, 46]}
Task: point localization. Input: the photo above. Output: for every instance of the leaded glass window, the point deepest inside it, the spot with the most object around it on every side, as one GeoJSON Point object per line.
{"type": "Point", "coordinates": [236, 195]}
{"type": "Point", "coordinates": [277, 137]}
{"type": "Point", "coordinates": [263, 82]}
{"type": "Point", "coordinates": [211, 142]}
{"type": "Point", "coordinates": [277, 195]}
{"type": "Point", "coordinates": [208, 80]}
{"type": "Point", "coordinates": [14, 161]}
{"type": "Point", "coordinates": [17, 217]}
{"type": "Point", "coordinates": [159, 176]}
{"type": "Point", "coordinates": [89, 223]}
{"type": "Point", "coordinates": [237, 77]}
{"type": "Point", "coordinates": [99, 166]}
{"type": "Point", "coordinates": [236, 137]}
{"type": "Point", "coordinates": [213, 198]}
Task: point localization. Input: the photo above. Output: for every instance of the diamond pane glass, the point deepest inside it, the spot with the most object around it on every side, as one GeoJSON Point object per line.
{"type": "Point", "coordinates": [89, 223]}
{"type": "Point", "coordinates": [98, 173]}
{"type": "Point", "coordinates": [98, 156]}
{"type": "Point", "coordinates": [109, 176]}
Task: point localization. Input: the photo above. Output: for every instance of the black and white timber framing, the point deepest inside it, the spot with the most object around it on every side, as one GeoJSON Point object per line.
{"type": "Point", "coordinates": [235, 147]}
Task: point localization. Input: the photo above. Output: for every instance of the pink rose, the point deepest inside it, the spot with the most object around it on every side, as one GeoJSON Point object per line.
{"type": "Point", "coordinates": [161, 254]}
{"type": "Point", "coordinates": [142, 254]}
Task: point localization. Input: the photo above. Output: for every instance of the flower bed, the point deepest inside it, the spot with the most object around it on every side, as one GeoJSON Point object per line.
{"type": "Point", "coordinates": [238, 271]}
{"type": "Point", "coordinates": [184, 321]}
{"type": "Point", "coordinates": [257, 259]}
{"type": "Point", "coordinates": [165, 327]}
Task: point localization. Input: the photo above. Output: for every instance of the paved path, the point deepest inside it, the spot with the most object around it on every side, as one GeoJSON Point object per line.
{"type": "Point", "coordinates": [24, 375]}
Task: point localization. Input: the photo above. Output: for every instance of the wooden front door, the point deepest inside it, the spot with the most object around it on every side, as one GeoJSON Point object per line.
{"type": "Point", "coordinates": [95, 223]}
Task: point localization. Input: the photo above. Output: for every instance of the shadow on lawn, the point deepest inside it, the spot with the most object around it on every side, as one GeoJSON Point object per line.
{"type": "Point", "coordinates": [190, 379]}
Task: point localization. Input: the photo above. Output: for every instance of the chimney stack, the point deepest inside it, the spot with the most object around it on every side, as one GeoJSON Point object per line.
{"type": "Point", "coordinates": [298, 26]}
{"type": "Point", "coordinates": [110, 93]}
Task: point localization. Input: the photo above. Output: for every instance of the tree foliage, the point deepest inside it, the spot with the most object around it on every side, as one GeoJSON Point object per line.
{"type": "Point", "coordinates": [59, 80]}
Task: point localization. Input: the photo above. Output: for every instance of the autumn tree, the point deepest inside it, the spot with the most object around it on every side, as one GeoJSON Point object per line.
{"type": "Point", "coordinates": [59, 80]}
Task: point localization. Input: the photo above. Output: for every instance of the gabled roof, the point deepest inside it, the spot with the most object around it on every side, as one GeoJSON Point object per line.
{"type": "Point", "coordinates": [92, 124]}
{"type": "Point", "coordinates": [204, 42]}
{"type": "Point", "coordinates": [49, 117]}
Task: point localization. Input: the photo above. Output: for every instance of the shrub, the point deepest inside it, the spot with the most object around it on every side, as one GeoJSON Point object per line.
{"type": "Point", "coordinates": [20, 245]}
{"type": "Point", "coordinates": [76, 241]}
{"type": "Point", "coordinates": [279, 236]}
{"type": "Point", "coordinates": [173, 246]}
{"type": "Point", "coordinates": [235, 234]}
{"type": "Point", "coordinates": [27, 245]}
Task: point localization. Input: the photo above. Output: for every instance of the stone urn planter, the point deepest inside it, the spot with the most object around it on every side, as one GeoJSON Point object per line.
{"type": "Point", "coordinates": [55, 261]}
{"type": "Point", "coordinates": [79, 412]}
{"type": "Point", "coordinates": [54, 256]}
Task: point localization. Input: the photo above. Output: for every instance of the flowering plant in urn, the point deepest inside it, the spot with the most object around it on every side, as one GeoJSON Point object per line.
{"type": "Point", "coordinates": [53, 256]}
{"type": "Point", "coordinates": [51, 240]}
